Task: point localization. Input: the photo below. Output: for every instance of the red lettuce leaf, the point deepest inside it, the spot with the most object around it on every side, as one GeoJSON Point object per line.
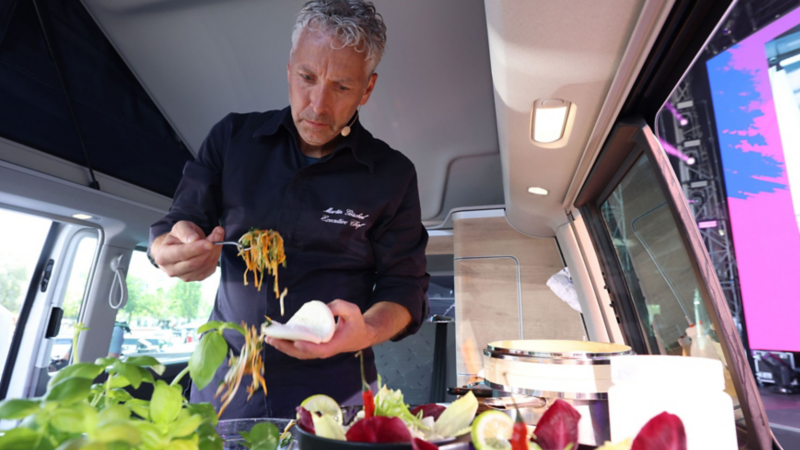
{"type": "Point", "coordinates": [558, 427]}
{"type": "Point", "coordinates": [419, 444]}
{"type": "Point", "coordinates": [429, 410]}
{"type": "Point", "coordinates": [304, 421]}
{"type": "Point", "coordinates": [379, 429]}
{"type": "Point", "coordinates": [663, 432]}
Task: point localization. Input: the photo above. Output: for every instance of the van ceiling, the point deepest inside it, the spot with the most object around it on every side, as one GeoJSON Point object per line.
{"type": "Point", "coordinates": [455, 72]}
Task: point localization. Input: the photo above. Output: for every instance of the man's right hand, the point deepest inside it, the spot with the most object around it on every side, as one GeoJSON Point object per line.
{"type": "Point", "coordinates": [186, 252]}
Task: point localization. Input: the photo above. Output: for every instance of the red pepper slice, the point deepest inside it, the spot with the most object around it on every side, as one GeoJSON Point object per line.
{"type": "Point", "coordinates": [366, 392]}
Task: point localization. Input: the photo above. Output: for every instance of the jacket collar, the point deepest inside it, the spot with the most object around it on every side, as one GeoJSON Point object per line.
{"type": "Point", "coordinates": [357, 141]}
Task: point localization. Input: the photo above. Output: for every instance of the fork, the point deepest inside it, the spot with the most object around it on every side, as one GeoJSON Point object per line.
{"type": "Point", "coordinates": [241, 248]}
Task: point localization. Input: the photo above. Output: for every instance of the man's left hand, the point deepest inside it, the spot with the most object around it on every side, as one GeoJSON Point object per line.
{"type": "Point", "coordinates": [352, 334]}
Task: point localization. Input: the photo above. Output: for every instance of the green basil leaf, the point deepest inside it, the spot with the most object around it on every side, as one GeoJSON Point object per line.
{"type": "Point", "coordinates": [117, 432]}
{"type": "Point", "coordinates": [189, 443]}
{"type": "Point", "coordinates": [89, 414]}
{"type": "Point", "coordinates": [19, 439]}
{"type": "Point", "coordinates": [71, 390]}
{"type": "Point", "coordinates": [209, 439]}
{"type": "Point", "coordinates": [211, 325]}
{"type": "Point", "coordinates": [118, 381]}
{"type": "Point", "coordinates": [147, 376]}
{"type": "Point", "coordinates": [165, 405]}
{"type": "Point", "coordinates": [233, 326]}
{"type": "Point", "coordinates": [139, 407]}
{"type": "Point", "coordinates": [185, 425]}
{"type": "Point", "coordinates": [79, 370]}
{"type": "Point", "coordinates": [151, 435]}
{"type": "Point", "coordinates": [130, 372]}
{"type": "Point", "coordinates": [17, 408]}
{"type": "Point", "coordinates": [69, 420]}
{"type": "Point", "coordinates": [119, 395]}
{"type": "Point", "coordinates": [82, 444]}
{"type": "Point", "coordinates": [263, 436]}
{"type": "Point", "coordinates": [114, 413]}
{"type": "Point", "coordinates": [105, 361]}
{"type": "Point", "coordinates": [206, 359]}
{"type": "Point", "coordinates": [205, 410]}
{"type": "Point", "coordinates": [147, 361]}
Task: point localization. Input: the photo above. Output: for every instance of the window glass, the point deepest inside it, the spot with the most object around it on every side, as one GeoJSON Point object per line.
{"type": "Point", "coordinates": [162, 314]}
{"type": "Point", "coordinates": [658, 269]}
{"type": "Point", "coordinates": [22, 237]}
{"type": "Point", "coordinates": [73, 299]}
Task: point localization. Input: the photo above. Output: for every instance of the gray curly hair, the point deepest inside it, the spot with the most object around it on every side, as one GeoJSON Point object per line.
{"type": "Point", "coordinates": [354, 23]}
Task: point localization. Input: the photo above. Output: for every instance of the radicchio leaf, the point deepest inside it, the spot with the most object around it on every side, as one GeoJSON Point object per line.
{"type": "Point", "coordinates": [379, 429]}
{"type": "Point", "coordinates": [304, 420]}
{"type": "Point", "coordinates": [429, 410]}
{"type": "Point", "coordinates": [419, 444]}
{"type": "Point", "coordinates": [663, 432]}
{"type": "Point", "coordinates": [558, 427]}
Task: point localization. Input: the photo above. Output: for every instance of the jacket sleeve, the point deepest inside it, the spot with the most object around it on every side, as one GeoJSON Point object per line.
{"type": "Point", "coordinates": [399, 244]}
{"type": "Point", "coordinates": [198, 198]}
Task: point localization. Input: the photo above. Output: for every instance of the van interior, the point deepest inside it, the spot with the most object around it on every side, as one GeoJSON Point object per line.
{"type": "Point", "coordinates": [103, 101]}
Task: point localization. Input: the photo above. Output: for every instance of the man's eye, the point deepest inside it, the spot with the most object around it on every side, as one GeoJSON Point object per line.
{"type": "Point", "coordinates": [305, 77]}
{"type": "Point", "coordinates": [344, 88]}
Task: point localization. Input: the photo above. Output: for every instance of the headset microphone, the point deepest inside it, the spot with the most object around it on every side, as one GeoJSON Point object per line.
{"type": "Point", "coordinates": [346, 129]}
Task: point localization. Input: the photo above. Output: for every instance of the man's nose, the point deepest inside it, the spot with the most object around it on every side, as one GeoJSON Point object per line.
{"type": "Point", "coordinates": [321, 99]}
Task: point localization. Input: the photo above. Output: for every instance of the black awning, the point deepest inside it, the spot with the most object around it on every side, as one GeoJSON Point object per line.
{"type": "Point", "coordinates": [125, 134]}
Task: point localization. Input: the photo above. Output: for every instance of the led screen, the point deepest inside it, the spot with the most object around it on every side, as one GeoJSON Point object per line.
{"type": "Point", "coordinates": [755, 89]}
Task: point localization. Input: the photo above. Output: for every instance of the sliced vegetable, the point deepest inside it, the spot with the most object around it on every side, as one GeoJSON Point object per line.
{"type": "Point", "coordinates": [663, 432]}
{"type": "Point", "coordinates": [304, 420]}
{"type": "Point", "coordinates": [313, 322]}
{"type": "Point", "coordinates": [492, 430]}
{"type": "Point", "coordinates": [455, 420]}
{"type": "Point", "coordinates": [378, 429]}
{"type": "Point", "coordinates": [323, 405]}
{"type": "Point", "coordinates": [558, 427]}
{"type": "Point", "coordinates": [430, 410]}
{"type": "Point", "coordinates": [326, 427]}
{"type": "Point", "coordinates": [419, 444]}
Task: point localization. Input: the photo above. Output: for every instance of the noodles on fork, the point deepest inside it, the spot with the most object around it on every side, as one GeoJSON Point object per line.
{"type": "Point", "coordinates": [265, 254]}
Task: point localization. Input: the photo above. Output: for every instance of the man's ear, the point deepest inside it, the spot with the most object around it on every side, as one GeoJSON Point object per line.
{"type": "Point", "coordinates": [370, 87]}
{"type": "Point", "coordinates": [289, 70]}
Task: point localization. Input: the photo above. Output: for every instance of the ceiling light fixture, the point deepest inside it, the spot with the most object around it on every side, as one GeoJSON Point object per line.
{"type": "Point", "coordinates": [82, 216]}
{"type": "Point", "coordinates": [538, 191]}
{"type": "Point", "coordinates": [549, 120]}
{"type": "Point", "coordinates": [789, 61]}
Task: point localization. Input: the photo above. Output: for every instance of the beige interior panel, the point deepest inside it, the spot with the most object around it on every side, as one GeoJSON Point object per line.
{"type": "Point", "coordinates": [441, 244]}
{"type": "Point", "coordinates": [496, 270]}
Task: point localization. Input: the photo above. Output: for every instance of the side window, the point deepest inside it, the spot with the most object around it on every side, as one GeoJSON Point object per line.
{"type": "Point", "coordinates": [22, 237]}
{"type": "Point", "coordinates": [162, 313]}
{"type": "Point", "coordinates": [81, 253]}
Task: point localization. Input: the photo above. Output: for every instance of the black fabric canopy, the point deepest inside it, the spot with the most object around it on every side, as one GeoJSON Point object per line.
{"type": "Point", "coordinates": [125, 134]}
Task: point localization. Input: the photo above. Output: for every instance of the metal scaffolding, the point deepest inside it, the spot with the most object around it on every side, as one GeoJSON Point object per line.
{"type": "Point", "coordinates": [691, 131]}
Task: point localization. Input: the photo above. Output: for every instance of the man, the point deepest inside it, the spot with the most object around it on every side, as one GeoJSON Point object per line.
{"type": "Point", "coordinates": [345, 203]}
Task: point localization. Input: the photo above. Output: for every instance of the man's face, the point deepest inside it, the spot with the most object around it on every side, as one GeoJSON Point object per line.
{"type": "Point", "coordinates": [326, 86]}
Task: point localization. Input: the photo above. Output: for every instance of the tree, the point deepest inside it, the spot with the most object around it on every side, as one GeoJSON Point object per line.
{"type": "Point", "coordinates": [185, 300]}
{"type": "Point", "coordinates": [12, 282]}
{"type": "Point", "coordinates": [141, 303]}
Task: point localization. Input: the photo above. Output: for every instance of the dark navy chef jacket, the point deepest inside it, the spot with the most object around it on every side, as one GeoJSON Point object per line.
{"type": "Point", "coordinates": [352, 230]}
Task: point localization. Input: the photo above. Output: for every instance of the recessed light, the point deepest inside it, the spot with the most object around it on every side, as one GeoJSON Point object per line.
{"type": "Point", "coordinates": [537, 191]}
{"type": "Point", "coordinates": [549, 120]}
{"type": "Point", "coordinates": [82, 216]}
{"type": "Point", "coordinates": [789, 61]}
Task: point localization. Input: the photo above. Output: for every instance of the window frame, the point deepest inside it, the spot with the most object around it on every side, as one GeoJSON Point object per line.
{"type": "Point", "coordinates": [631, 139]}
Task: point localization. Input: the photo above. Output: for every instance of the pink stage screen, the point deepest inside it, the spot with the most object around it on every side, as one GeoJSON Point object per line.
{"type": "Point", "coordinates": [755, 88]}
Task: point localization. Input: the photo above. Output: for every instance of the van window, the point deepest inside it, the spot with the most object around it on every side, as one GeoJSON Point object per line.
{"type": "Point", "coordinates": [82, 252]}
{"type": "Point", "coordinates": [22, 237]}
{"type": "Point", "coordinates": [663, 286]}
{"type": "Point", "coordinates": [162, 313]}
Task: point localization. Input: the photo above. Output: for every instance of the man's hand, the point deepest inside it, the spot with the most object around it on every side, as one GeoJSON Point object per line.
{"type": "Point", "coordinates": [186, 252]}
{"type": "Point", "coordinates": [354, 331]}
